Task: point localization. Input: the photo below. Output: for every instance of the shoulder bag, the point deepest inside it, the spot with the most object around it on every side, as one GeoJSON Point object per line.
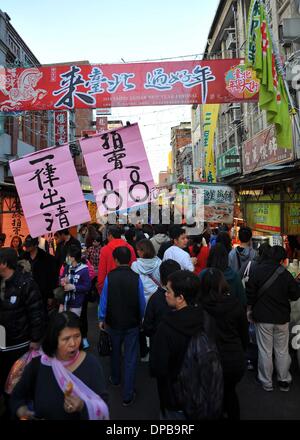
{"type": "Point", "coordinates": [269, 282]}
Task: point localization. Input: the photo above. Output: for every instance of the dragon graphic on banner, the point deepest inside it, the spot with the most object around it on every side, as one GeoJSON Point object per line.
{"type": "Point", "coordinates": [20, 89]}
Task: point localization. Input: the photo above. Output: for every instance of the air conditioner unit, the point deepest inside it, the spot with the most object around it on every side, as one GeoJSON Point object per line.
{"type": "Point", "coordinates": [291, 30]}
{"type": "Point", "coordinates": [230, 41]}
{"type": "Point", "coordinates": [282, 41]}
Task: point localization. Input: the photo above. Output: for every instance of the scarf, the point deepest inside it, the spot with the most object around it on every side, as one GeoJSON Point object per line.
{"type": "Point", "coordinates": [97, 408]}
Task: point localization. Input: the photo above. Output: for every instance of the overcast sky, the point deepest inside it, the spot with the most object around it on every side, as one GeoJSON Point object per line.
{"type": "Point", "coordinates": [100, 31]}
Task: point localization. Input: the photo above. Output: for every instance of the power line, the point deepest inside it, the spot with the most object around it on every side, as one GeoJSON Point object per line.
{"type": "Point", "coordinates": [167, 109]}
{"type": "Point", "coordinates": [195, 56]}
{"type": "Point", "coordinates": [46, 134]}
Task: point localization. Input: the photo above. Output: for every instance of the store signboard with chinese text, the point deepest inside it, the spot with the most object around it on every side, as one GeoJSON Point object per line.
{"type": "Point", "coordinates": [292, 218]}
{"type": "Point", "coordinates": [67, 87]}
{"type": "Point", "coordinates": [49, 190]}
{"type": "Point", "coordinates": [118, 169]}
{"type": "Point", "coordinates": [61, 127]}
{"type": "Point", "coordinates": [223, 163]}
{"type": "Point", "coordinates": [218, 203]}
{"type": "Point", "coordinates": [264, 217]}
{"type": "Point", "coordinates": [101, 124]}
{"type": "Point", "coordinates": [262, 150]}
{"type": "Point", "coordinates": [13, 222]}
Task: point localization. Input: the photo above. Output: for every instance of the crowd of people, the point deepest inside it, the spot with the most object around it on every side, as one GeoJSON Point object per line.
{"type": "Point", "coordinates": [199, 310]}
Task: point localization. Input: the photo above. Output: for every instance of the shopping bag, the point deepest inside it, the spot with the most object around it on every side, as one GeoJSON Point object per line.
{"type": "Point", "coordinates": [252, 333]}
{"type": "Point", "coordinates": [104, 345]}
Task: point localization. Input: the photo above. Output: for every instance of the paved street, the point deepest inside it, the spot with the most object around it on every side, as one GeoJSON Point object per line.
{"type": "Point", "coordinates": [255, 402]}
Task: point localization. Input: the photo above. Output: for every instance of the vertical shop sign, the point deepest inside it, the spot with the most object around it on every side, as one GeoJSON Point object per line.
{"type": "Point", "coordinates": [61, 127]}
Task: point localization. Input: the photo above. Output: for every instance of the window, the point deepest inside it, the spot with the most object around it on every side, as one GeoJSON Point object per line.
{"type": "Point", "coordinates": [257, 118]}
{"type": "Point", "coordinates": [232, 140]}
{"type": "Point", "coordinates": [14, 47]}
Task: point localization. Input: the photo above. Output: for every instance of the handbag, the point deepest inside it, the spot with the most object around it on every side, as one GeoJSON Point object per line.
{"type": "Point", "coordinates": [252, 333]}
{"type": "Point", "coordinates": [17, 369]}
{"type": "Point", "coordinates": [104, 345]}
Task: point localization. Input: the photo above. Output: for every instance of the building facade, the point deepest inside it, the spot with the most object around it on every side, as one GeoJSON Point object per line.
{"type": "Point", "coordinates": [184, 164]}
{"type": "Point", "coordinates": [180, 137]}
{"type": "Point", "coordinates": [163, 178]}
{"type": "Point", "coordinates": [265, 177]}
{"type": "Point", "coordinates": [22, 133]}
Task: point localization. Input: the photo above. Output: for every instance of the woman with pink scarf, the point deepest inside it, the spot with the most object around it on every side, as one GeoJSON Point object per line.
{"type": "Point", "coordinates": [64, 383]}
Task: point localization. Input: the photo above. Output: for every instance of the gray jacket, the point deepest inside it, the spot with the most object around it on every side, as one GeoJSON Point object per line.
{"type": "Point", "coordinates": [239, 257]}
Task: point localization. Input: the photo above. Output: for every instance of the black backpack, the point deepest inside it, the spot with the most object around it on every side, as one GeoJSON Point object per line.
{"type": "Point", "coordinates": [198, 389]}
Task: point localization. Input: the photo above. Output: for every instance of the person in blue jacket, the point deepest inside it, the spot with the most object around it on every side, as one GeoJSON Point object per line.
{"type": "Point", "coordinates": [121, 310]}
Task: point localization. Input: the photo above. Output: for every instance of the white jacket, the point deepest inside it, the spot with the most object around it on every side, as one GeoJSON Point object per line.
{"type": "Point", "coordinates": [145, 267]}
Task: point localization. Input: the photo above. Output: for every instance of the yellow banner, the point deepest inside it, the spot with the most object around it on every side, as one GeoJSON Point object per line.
{"type": "Point", "coordinates": [210, 118]}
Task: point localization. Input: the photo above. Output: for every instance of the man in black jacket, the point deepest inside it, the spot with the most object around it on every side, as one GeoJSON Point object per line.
{"type": "Point", "coordinates": [270, 311]}
{"type": "Point", "coordinates": [157, 305]}
{"type": "Point", "coordinates": [122, 308]}
{"type": "Point", "coordinates": [21, 313]}
{"type": "Point", "coordinates": [63, 246]}
{"type": "Point", "coordinates": [44, 269]}
{"type": "Point", "coordinates": [173, 335]}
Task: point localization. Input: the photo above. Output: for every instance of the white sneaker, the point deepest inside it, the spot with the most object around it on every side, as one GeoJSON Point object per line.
{"type": "Point", "coordinates": [85, 343]}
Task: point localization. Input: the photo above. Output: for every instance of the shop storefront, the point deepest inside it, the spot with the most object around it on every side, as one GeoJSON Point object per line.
{"type": "Point", "coordinates": [272, 210]}
{"type": "Point", "coordinates": [268, 191]}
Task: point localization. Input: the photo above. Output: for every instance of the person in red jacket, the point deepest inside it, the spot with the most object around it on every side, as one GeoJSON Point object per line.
{"type": "Point", "coordinates": [199, 250]}
{"type": "Point", "coordinates": [107, 262]}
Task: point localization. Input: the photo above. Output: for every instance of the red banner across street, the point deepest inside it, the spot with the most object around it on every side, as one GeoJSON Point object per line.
{"type": "Point", "coordinates": [118, 85]}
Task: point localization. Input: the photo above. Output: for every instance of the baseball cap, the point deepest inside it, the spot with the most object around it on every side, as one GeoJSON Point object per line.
{"type": "Point", "coordinates": [29, 241]}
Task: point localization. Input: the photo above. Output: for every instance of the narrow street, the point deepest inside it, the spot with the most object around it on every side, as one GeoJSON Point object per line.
{"type": "Point", "coordinates": [255, 403]}
{"type": "Point", "coordinates": [155, 152]}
